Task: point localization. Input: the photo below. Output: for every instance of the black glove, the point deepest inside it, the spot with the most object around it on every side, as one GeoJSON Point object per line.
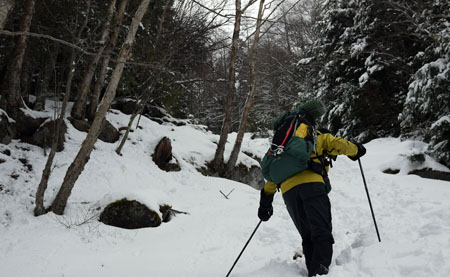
{"type": "Point", "coordinates": [265, 210]}
{"type": "Point", "coordinates": [361, 152]}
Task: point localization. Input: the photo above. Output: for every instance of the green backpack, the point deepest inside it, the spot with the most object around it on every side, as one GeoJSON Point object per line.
{"type": "Point", "coordinates": [288, 154]}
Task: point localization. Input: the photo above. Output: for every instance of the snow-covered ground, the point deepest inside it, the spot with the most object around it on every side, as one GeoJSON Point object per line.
{"type": "Point", "coordinates": [412, 213]}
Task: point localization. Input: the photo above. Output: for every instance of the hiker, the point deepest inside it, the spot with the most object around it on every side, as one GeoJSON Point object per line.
{"type": "Point", "coordinates": [306, 192]}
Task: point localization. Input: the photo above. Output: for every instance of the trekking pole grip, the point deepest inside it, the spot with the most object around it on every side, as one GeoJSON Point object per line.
{"type": "Point", "coordinates": [248, 241]}
{"type": "Point", "coordinates": [368, 197]}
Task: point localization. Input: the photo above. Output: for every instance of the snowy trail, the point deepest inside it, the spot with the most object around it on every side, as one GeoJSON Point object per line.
{"type": "Point", "coordinates": [412, 217]}
{"type": "Point", "coordinates": [412, 214]}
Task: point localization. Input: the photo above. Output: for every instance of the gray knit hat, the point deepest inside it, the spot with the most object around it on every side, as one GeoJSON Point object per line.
{"type": "Point", "coordinates": [313, 108]}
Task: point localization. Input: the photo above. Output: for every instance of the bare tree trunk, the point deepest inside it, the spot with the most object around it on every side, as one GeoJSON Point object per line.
{"type": "Point", "coordinates": [13, 98]}
{"type": "Point", "coordinates": [286, 31]}
{"type": "Point", "coordinates": [79, 107]}
{"type": "Point", "coordinates": [77, 166]}
{"type": "Point", "coordinates": [95, 95]}
{"type": "Point", "coordinates": [78, 110]}
{"type": "Point", "coordinates": [44, 78]}
{"type": "Point", "coordinates": [26, 79]}
{"type": "Point", "coordinates": [6, 7]}
{"type": "Point", "coordinates": [161, 22]}
{"type": "Point", "coordinates": [140, 106]}
{"type": "Point", "coordinates": [139, 109]}
{"type": "Point", "coordinates": [42, 187]}
{"type": "Point", "coordinates": [248, 104]}
{"type": "Point", "coordinates": [218, 163]}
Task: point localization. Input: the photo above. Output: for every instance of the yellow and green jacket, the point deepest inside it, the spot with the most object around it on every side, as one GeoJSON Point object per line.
{"type": "Point", "coordinates": [325, 143]}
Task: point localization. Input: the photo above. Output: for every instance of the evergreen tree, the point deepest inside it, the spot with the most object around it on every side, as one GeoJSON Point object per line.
{"type": "Point", "coordinates": [365, 52]}
{"type": "Point", "coordinates": [426, 112]}
{"type": "Point", "coordinates": [384, 70]}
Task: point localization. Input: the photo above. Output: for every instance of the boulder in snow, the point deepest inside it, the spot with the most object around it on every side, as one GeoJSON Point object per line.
{"type": "Point", "coordinates": [129, 214]}
{"type": "Point", "coordinates": [251, 176]}
{"type": "Point", "coordinates": [108, 134]}
{"type": "Point", "coordinates": [431, 174]}
{"type": "Point", "coordinates": [163, 155]}
{"type": "Point", "coordinates": [27, 124]}
{"type": "Point", "coordinates": [44, 135]}
{"type": "Point", "coordinates": [7, 131]}
{"type": "Point", "coordinates": [80, 125]}
{"type": "Point", "coordinates": [125, 105]}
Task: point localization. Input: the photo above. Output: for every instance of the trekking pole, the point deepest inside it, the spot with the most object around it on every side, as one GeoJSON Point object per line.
{"type": "Point", "coordinates": [254, 231]}
{"type": "Point", "coordinates": [368, 197]}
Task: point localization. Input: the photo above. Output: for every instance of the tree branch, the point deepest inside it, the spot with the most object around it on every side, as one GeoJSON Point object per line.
{"type": "Point", "coordinates": [227, 16]}
{"type": "Point", "coordinates": [69, 44]}
{"type": "Point", "coordinates": [74, 46]}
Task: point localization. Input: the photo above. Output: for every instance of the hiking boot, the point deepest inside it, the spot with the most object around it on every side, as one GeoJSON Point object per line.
{"type": "Point", "coordinates": [323, 270]}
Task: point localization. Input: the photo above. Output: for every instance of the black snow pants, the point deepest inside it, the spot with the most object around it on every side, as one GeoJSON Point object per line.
{"type": "Point", "coordinates": [309, 207]}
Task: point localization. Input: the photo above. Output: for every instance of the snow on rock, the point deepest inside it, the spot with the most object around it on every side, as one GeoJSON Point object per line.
{"type": "Point", "coordinates": [411, 212]}
{"type": "Point", "coordinates": [400, 156]}
{"type": "Point", "coordinates": [35, 114]}
{"type": "Point", "coordinates": [10, 120]}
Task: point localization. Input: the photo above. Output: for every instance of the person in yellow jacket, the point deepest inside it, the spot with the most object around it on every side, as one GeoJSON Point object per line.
{"type": "Point", "coordinates": [306, 196]}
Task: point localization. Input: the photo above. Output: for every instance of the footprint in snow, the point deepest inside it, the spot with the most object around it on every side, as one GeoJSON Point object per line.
{"type": "Point", "coordinates": [361, 241]}
{"type": "Point", "coordinates": [344, 257]}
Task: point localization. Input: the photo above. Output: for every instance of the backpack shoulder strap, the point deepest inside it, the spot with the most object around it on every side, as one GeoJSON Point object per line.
{"type": "Point", "coordinates": [324, 131]}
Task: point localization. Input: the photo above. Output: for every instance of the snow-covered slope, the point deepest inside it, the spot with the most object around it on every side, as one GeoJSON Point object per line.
{"type": "Point", "coordinates": [411, 212]}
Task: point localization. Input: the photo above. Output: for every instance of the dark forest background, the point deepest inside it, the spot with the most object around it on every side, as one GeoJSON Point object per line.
{"type": "Point", "coordinates": [382, 68]}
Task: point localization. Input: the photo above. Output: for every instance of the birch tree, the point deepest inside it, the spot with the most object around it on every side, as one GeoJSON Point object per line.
{"type": "Point", "coordinates": [179, 46]}
{"type": "Point", "coordinates": [248, 104]}
{"type": "Point", "coordinates": [87, 146]}
{"type": "Point", "coordinates": [13, 96]}
{"type": "Point", "coordinates": [218, 162]}
{"type": "Point", "coordinates": [100, 82]}
{"type": "Point", "coordinates": [148, 92]}
{"type": "Point", "coordinates": [6, 6]}
{"type": "Point", "coordinates": [79, 107]}
{"type": "Point", "coordinates": [47, 68]}
{"type": "Point", "coordinates": [42, 187]}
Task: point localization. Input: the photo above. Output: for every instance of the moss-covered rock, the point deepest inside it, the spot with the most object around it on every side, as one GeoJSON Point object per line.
{"type": "Point", "coordinates": [129, 214]}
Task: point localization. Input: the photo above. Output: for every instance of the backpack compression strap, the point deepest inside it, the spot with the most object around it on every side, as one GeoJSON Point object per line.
{"type": "Point", "coordinates": [289, 131]}
{"type": "Point", "coordinates": [280, 148]}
